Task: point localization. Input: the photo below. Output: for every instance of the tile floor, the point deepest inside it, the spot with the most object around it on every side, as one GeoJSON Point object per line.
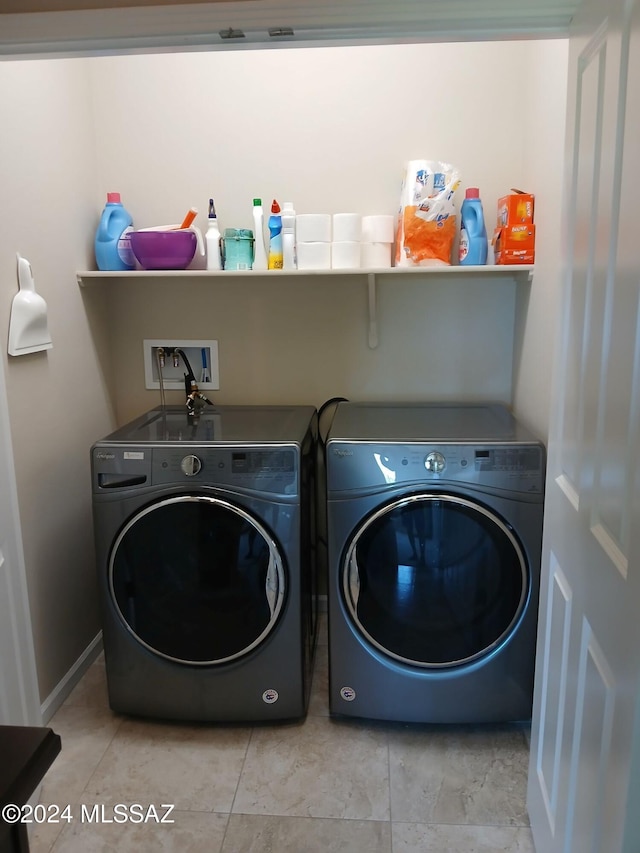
{"type": "Point", "coordinates": [318, 786]}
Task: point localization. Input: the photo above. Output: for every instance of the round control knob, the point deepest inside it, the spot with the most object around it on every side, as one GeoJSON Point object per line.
{"type": "Point", "coordinates": [191, 465]}
{"type": "Point", "coordinates": [435, 462]}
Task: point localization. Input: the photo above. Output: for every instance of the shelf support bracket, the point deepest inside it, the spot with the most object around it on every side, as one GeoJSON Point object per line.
{"type": "Point", "coordinates": [373, 311]}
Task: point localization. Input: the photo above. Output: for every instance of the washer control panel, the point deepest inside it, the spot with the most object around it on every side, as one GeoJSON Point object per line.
{"type": "Point", "coordinates": [267, 469]}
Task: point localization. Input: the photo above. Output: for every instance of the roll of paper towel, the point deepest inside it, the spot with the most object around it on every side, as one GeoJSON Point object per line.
{"type": "Point", "coordinates": [314, 256]}
{"type": "Point", "coordinates": [379, 228]}
{"type": "Point", "coordinates": [427, 223]}
{"type": "Point", "coordinates": [347, 227]}
{"type": "Point", "coordinates": [345, 255]}
{"type": "Point", "coordinates": [313, 228]}
{"type": "Point", "coordinates": [375, 255]}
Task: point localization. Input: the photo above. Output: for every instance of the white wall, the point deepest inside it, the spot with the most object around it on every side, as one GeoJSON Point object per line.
{"type": "Point", "coordinates": [331, 130]}
{"type": "Point", "coordinates": [327, 128]}
{"type": "Point", "coordinates": [543, 132]}
{"type": "Point", "coordinates": [57, 399]}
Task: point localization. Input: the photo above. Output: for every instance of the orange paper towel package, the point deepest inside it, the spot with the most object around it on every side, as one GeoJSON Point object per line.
{"type": "Point", "coordinates": [427, 218]}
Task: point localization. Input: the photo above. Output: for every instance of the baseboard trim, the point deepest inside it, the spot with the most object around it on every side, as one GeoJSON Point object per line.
{"type": "Point", "coordinates": [63, 689]}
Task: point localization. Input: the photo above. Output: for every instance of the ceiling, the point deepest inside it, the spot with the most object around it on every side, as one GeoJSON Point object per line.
{"type": "Point", "coordinates": [84, 27]}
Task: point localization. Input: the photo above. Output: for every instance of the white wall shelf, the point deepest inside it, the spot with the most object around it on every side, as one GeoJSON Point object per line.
{"type": "Point", "coordinates": [516, 272]}
{"type": "Point", "coordinates": [520, 272]}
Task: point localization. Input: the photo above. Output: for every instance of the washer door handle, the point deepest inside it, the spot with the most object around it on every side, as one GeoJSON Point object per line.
{"type": "Point", "coordinates": [271, 586]}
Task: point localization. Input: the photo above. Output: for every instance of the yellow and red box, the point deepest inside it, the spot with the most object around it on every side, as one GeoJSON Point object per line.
{"type": "Point", "coordinates": [515, 209]}
{"type": "Point", "coordinates": [515, 244]}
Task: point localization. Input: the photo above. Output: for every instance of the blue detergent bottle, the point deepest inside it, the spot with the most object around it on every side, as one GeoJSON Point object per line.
{"type": "Point", "coordinates": [473, 234]}
{"type": "Point", "coordinates": [112, 243]}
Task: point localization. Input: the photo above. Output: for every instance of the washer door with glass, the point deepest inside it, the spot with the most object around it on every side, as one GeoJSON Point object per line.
{"type": "Point", "coordinates": [435, 580]}
{"type": "Point", "coordinates": [197, 580]}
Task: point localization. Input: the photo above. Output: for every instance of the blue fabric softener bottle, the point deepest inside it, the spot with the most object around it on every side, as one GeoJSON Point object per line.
{"type": "Point", "coordinates": [473, 234]}
{"type": "Point", "coordinates": [112, 243]}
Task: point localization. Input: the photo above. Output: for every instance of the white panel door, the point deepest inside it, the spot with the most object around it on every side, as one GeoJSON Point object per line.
{"type": "Point", "coordinates": [585, 750]}
{"type": "Point", "coordinates": [19, 699]}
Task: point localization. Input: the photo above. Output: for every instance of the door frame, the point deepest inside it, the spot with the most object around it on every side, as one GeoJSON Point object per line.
{"type": "Point", "coordinates": [19, 694]}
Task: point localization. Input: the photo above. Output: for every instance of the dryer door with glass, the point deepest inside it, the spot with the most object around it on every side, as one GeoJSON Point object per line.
{"type": "Point", "coordinates": [435, 580]}
{"type": "Point", "coordinates": [197, 580]}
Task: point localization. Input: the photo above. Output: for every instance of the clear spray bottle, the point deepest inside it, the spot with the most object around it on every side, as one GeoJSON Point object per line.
{"type": "Point", "coordinates": [212, 240]}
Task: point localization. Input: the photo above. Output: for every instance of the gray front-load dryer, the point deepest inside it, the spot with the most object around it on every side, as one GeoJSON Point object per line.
{"type": "Point", "coordinates": [434, 528]}
{"type": "Point", "coordinates": [204, 544]}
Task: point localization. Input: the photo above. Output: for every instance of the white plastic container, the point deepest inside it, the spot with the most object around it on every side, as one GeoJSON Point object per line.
{"type": "Point", "coordinates": [347, 228]}
{"type": "Point", "coordinates": [259, 250]}
{"type": "Point", "coordinates": [314, 256]}
{"type": "Point", "coordinates": [379, 228]}
{"type": "Point", "coordinates": [376, 255]}
{"type": "Point", "coordinates": [313, 227]}
{"type": "Point", "coordinates": [288, 216]}
{"type": "Point", "coordinates": [345, 255]}
{"type": "Point", "coordinates": [212, 240]}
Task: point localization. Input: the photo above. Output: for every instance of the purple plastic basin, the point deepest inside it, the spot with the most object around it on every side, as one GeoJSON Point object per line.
{"type": "Point", "coordinates": [164, 250]}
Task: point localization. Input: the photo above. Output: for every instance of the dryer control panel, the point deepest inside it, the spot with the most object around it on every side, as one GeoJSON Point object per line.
{"type": "Point", "coordinates": [510, 459]}
{"type": "Point", "coordinates": [358, 465]}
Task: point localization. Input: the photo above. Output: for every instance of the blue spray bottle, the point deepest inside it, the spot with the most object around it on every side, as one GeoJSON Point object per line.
{"type": "Point", "coordinates": [275, 237]}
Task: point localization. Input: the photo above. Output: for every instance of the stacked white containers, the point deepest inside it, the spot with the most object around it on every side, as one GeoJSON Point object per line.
{"type": "Point", "coordinates": [344, 241]}
{"type": "Point", "coordinates": [345, 245]}
{"type": "Point", "coordinates": [313, 241]}
{"type": "Point", "coordinates": [377, 241]}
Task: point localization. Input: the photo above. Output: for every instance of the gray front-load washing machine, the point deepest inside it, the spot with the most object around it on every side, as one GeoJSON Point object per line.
{"type": "Point", "coordinates": [206, 570]}
{"type": "Point", "coordinates": [434, 529]}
